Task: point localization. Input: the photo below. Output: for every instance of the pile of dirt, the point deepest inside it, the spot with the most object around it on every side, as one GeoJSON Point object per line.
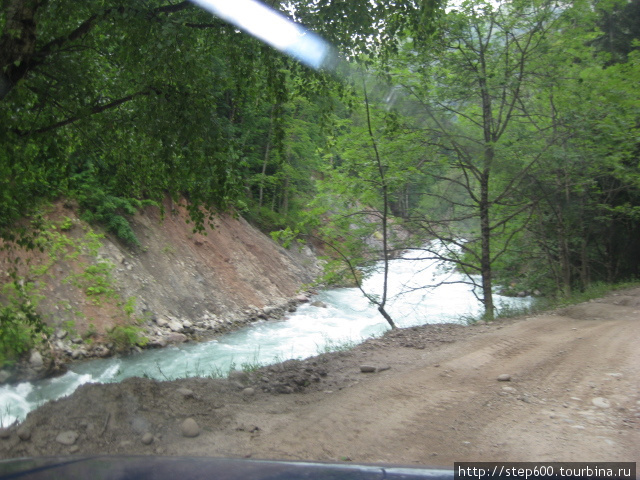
{"type": "Point", "coordinates": [553, 387]}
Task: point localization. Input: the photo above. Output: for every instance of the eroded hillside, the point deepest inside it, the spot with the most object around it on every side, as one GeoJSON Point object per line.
{"type": "Point", "coordinates": [99, 295]}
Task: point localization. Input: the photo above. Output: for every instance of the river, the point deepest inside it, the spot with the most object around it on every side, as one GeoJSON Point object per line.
{"type": "Point", "coordinates": [346, 318]}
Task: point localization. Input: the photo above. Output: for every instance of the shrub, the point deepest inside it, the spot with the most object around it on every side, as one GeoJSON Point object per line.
{"type": "Point", "coordinates": [125, 337]}
{"type": "Point", "coordinates": [20, 324]}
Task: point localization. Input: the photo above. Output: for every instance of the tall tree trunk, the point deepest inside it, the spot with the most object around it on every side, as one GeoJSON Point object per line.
{"type": "Point", "coordinates": [585, 279]}
{"type": "Point", "coordinates": [17, 41]}
{"type": "Point", "coordinates": [565, 261]}
{"type": "Point", "coordinates": [485, 239]}
{"type": "Point", "coordinates": [490, 138]}
{"type": "Point", "coordinates": [265, 161]}
{"type": "Point", "coordinates": [563, 235]}
{"type": "Point", "coordinates": [385, 215]}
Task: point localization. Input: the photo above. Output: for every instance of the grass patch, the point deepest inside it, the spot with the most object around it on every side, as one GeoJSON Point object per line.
{"type": "Point", "coordinates": [124, 337]}
{"type": "Point", "coordinates": [331, 345]}
{"type": "Point", "coordinates": [596, 290]}
{"type": "Point", "coordinates": [253, 364]}
{"type": "Point", "coordinates": [546, 304]}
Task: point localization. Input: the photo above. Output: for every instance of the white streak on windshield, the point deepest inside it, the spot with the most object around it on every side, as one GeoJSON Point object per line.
{"type": "Point", "coordinates": [272, 28]}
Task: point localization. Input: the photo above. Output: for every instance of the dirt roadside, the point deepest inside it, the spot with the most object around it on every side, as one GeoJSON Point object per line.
{"type": "Point", "coordinates": [573, 395]}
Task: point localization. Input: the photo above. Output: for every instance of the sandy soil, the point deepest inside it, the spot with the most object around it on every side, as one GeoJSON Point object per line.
{"type": "Point", "coordinates": [573, 395]}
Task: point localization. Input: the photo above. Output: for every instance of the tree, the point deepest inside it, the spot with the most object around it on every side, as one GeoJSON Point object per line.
{"type": "Point", "coordinates": [349, 215]}
{"type": "Point", "coordinates": [472, 90]}
{"type": "Point", "coordinates": [125, 92]}
{"type": "Point", "coordinates": [153, 97]}
{"type": "Point", "coordinates": [585, 226]}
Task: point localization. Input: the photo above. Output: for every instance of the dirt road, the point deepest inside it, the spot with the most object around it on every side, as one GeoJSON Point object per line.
{"type": "Point", "coordinates": [573, 395]}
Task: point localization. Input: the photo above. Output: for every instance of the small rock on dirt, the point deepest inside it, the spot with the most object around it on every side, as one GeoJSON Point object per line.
{"type": "Point", "coordinates": [238, 376]}
{"type": "Point", "coordinates": [147, 439]}
{"type": "Point", "coordinates": [286, 389]}
{"type": "Point", "coordinates": [505, 377]}
{"type": "Point", "coordinates": [67, 438]}
{"type": "Point", "coordinates": [601, 402]}
{"type": "Point", "coordinates": [5, 433]}
{"type": "Point", "coordinates": [189, 428]}
{"type": "Point", "coordinates": [185, 392]}
{"type": "Point", "coordinates": [24, 433]}
{"type": "Point", "coordinates": [367, 368]}
{"type": "Point", "coordinates": [248, 392]}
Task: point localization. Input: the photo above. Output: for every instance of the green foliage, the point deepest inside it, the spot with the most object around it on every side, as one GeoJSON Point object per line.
{"type": "Point", "coordinates": [129, 306]}
{"type": "Point", "coordinates": [162, 99]}
{"type": "Point", "coordinates": [331, 346]}
{"type": "Point", "coordinates": [91, 332]}
{"type": "Point", "coordinates": [70, 327]}
{"type": "Point", "coordinates": [100, 206]}
{"type": "Point", "coordinates": [124, 337]}
{"type": "Point", "coordinates": [95, 281]}
{"type": "Point", "coordinates": [286, 237]}
{"type": "Point", "coordinates": [66, 224]}
{"type": "Point", "coordinates": [63, 246]}
{"type": "Point", "coordinates": [21, 327]}
{"type": "Point", "coordinates": [252, 365]}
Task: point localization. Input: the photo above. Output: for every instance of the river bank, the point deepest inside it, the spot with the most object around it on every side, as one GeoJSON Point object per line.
{"type": "Point", "coordinates": [60, 352]}
{"type": "Point", "coordinates": [560, 386]}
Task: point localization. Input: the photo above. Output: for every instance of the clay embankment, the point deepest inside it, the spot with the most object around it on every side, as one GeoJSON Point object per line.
{"type": "Point", "coordinates": [177, 286]}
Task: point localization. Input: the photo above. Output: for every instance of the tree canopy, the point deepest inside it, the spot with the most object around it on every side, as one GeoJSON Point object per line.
{"type": "Point", "coordinates": [147, 98]}
{"type": "Point", "coordinates": [511, 129]}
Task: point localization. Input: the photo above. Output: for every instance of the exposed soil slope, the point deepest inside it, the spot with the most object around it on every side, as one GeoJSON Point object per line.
{"type": "Point", "coordinates": [222, 272]}
{"type": "Point", "coordinates": [177, 285]}
{"type": "Point", "coordinates": [573, 395]}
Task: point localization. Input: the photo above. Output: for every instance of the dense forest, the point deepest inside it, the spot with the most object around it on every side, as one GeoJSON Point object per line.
{"type": "Point", "coordinates": [511, 131]}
